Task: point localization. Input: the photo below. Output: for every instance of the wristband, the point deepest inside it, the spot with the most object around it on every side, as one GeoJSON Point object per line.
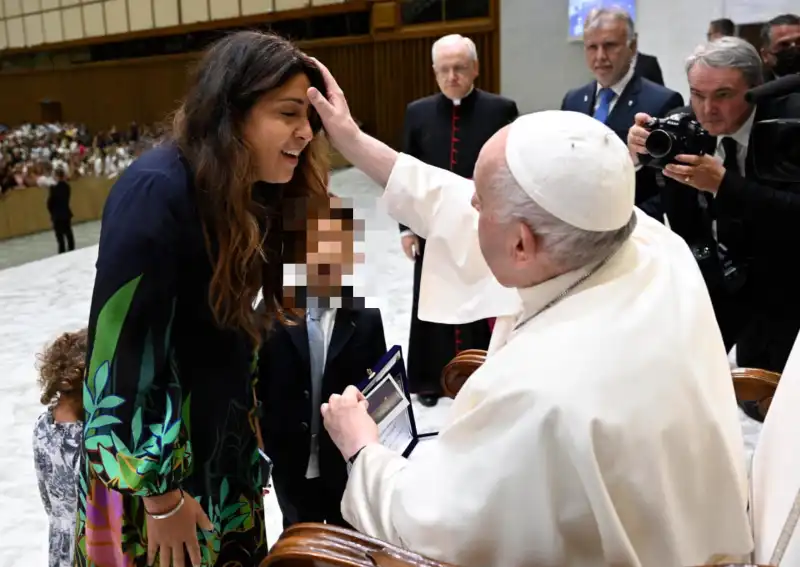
{"type": "Point", "coordinates": [169, 514]}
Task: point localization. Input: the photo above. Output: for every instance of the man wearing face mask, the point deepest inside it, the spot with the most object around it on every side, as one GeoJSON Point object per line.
{"type": "Point", "coordinates": [719, 197]}
{"type": "Point", "coordinates": [447, 130]}
{"type": "Point", "coordinates": [780, 46]}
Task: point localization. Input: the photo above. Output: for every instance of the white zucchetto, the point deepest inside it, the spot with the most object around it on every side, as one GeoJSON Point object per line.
{"type": "Point", "coordinates": [574, 167]}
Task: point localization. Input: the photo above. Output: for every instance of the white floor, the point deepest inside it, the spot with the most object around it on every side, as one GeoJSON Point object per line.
{"type": "Point", "coordinates": [42, 299]}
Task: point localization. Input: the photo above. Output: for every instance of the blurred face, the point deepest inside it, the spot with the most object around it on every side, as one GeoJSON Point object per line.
{"type": "Point", "coordinates": [455, 70]}
{"type": "Point", "coordinates": [713, 33]}
{"type": "Point", "coordinates": [784, 38]}
{"type": "Point", "coordinates": [608, 52]}
{"type": "Point", "coordinates": [718, 99]}
{"type": "Point", "coordinates": [277, 130]}
{"type": "Point", "coordinates": [329, 256]}
{"type": "Point", "coordinates": [508, 246]}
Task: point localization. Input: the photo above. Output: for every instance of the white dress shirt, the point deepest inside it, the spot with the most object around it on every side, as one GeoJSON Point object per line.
{"type": "Point", "coordinates": [326, 323]}
{"type": "Point", "coordinates": [742, 139]}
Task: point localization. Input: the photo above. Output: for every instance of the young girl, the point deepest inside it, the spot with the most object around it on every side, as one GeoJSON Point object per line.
{"type": "Point", "coordinates": [57, 439]}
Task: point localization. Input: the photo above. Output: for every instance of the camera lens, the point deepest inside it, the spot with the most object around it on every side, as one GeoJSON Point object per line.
{"type": "Point", "coordinates": [659, 143]}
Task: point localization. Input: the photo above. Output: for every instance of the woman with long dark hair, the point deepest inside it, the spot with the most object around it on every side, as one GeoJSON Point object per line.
{"type": "Point", "coordinates": [192, 231]}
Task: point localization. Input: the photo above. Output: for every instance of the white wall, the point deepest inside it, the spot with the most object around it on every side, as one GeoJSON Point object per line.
{"type": "Point", "coordinates": [538, 65]}
{"type": "Point", "coordinates": [25, 23]}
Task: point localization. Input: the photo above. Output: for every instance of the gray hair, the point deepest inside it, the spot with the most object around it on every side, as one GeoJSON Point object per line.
{"type": "Point", "coordinates": [568, 247]}
{"type": "Point", "coordinates": [729, 53]}
{"type": "Point", "coordinates": [598, 17]}
{"type": "Point", "coordinates": [454, 39]}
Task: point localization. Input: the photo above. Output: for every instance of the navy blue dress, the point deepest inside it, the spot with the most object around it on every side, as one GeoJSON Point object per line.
{"type": "Point", "coordinates": [169, 395]}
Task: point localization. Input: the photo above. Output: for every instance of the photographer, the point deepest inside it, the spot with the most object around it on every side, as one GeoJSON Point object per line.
{"type": "Point", "coordinates": [752, 228]}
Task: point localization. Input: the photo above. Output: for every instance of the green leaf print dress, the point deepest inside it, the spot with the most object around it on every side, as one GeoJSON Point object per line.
{"type": "Point", "coordinates": [168, 396]}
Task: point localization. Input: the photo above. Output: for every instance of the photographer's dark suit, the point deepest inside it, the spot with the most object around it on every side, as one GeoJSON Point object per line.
{"type": "Point", "coordinates": [647, 67]}
{"type": "Point", "coordinates": [640, 95]}
{"type": "Point", "coordinates": [284, 388]}
{"type": "Point", "coordinates": [61, 215]}
{"type": "Point", "coordinates": [759, 224]}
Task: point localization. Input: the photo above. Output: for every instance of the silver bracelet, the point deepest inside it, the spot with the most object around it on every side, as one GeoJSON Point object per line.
{"type": "Point", "coordinates": [169, 514]}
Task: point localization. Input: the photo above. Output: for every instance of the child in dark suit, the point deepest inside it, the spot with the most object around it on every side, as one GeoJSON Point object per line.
{"type": "Point", "coordinates": [305, 360]}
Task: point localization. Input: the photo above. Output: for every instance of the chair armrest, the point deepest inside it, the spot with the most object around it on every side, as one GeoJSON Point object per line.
{"type": "Point", "coordinates": [458, 370]}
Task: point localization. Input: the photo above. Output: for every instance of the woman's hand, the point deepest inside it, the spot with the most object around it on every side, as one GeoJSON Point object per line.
{"type": "Point", "coordinates": [169, 537]}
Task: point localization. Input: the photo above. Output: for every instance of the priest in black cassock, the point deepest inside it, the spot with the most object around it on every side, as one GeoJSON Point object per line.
{"type": "Point", "coordinates": [447, 130]}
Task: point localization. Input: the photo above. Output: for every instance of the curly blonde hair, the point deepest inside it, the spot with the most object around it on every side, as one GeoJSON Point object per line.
{"type": "Point", "coordinates": [62, 366]}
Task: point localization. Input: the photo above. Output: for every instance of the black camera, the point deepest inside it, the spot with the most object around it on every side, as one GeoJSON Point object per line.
{"type": "Point", "coordinates": [674, 135]}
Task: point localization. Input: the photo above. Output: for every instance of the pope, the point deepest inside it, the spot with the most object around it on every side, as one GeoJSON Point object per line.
{"type": "Point", "coordinates": [603, 428]}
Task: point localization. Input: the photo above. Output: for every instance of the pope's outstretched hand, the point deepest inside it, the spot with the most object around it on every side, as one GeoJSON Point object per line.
{"type": "Point", "coordinates": [334, 112]}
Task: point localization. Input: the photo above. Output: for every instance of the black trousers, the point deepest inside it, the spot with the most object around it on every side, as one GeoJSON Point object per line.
{"type": "Point", "coordinates": [308, 500]}
{"type": "Point", "coordinates": [64, 235]}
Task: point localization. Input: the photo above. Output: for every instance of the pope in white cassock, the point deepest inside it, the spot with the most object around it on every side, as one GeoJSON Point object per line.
{"type": "Point", "coordinates": [602, 429]}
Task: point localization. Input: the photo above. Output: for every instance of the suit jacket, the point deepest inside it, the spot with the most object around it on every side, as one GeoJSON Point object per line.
{"type": "Point", "coordinates": [757, 221]}
{"type": "Point", "coordinates": [647, 67]}
{"type": "Point", "coordinates": [640, 95]}
{"type": "Point", "coordinates": [434, 132]}
{"type": "Point", "coordinates": [284, 389]}
{"type": "Point", "coordinates": [58, 202]}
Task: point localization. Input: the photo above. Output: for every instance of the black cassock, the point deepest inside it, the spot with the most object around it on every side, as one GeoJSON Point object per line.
{"type": "Point", "coordinates": [449, 136]}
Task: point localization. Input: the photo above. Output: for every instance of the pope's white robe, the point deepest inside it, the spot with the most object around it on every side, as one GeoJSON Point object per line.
{"type": "Point", "coordinates": [603, 432]}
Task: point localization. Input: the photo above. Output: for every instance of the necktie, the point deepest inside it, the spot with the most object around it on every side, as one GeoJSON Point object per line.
{"type": "Point", "coordinates": [731, 149]}
{"type": "Point", "coordinates": [316, 350]}
{"type": "Point", "coordinates": [605, 96]}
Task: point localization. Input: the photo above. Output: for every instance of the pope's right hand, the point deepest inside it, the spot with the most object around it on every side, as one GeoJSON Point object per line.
{"type": "Point", "coordinates": [173, 537]}
{"type": "Point", "coordinates": [333, 111]}
{"type": "Point", "coordinates": [637, 136]}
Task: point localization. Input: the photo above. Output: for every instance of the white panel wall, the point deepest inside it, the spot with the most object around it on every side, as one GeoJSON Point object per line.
{"type": "Point", "coordinates": [223, 9]}
{"type": "Point", "coordinates": [52, 27]}
{"type": "Point", "coordinates": [291, 4]}
{"type": "Point", "coordinates": [93, 20]}
{"type": "Point", "coordinates": [140, 14]}
{"type": "Point", "coordinates": [34, 31]}
{"type": "Point", "coordinates": [116, 15]}
{"type": "Point", "coordinates": [193, 11]}
{"type": "Point", "coordinates": [166, 13]}
{"type": "Point", "coordinates": [12, 8]}
{"type": "Point", "coordinates": [72, 23]}
{"type": "Point", "coordinates": [538, 65]}
{"type": "Point", "coordinates": [3, 36]}
{"type": "Point", "coordinates": [16, 32]}
{"type": "Point", "coordinates": [29, 6]}
{"type": "Point", "coordinates": [50, 4]}
{"type": "Point", "coordinates": [252, 7]}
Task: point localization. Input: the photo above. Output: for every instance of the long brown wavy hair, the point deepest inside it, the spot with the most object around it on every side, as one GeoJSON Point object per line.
{"type": "Point", "coordinates": [243, 219]}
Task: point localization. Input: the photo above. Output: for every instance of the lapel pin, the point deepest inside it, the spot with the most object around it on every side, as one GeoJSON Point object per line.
{"type": "Point", "coordinates": [630, 103]}
{"type": "Point", "coordinates": [585, 98]}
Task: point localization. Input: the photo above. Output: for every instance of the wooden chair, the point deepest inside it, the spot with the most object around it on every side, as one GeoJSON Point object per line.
{"type": "Point", "coordinates": [755, 385]}
{"type": "Point", "coordinates": [457, 371]}
{"type": "Point", "coordinates": [323, 545]}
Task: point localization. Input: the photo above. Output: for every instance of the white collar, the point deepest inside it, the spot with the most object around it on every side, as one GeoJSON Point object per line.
{"type": "Point", "coordinates": [535, 298]}
{"type": "Point", "coordinates": [620, 85]}
{"type": "Point", "coordinates": [458, 101]}
{"type": "Point", "coordinates": [742, 135]}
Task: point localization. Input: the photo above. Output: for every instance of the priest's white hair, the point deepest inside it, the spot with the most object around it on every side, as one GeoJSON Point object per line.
{"type": "Point", "coordinates": [568, 247]}
{"type": "Point", "coordinates": [455, 39]}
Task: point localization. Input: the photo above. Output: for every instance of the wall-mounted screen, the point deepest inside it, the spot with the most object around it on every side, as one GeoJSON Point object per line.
{"type": "Point", "coordinates": [579, 9]}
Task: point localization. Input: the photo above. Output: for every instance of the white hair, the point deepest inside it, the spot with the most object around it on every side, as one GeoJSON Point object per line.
{"type": "Point", "coordinates": [598, 17]}
{"type": "Point", "coordinates": [455, 39]}
{"type": "Point", "coordinates": [568, 247]}
{"type": "Point", "coordinates": [729, 53]}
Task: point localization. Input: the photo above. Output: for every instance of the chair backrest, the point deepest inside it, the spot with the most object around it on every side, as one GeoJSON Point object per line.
{"type": "Point", "coordinates": [457, 371]}
{"type": "Point", "coordinates": [754, 385]}
{"type": "Point", "coordinates": [323, 545]}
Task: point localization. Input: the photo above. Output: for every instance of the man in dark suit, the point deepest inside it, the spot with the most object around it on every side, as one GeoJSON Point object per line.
{"type": "Point", "coordinates": [757, 305]}
{"type": "Point", "coordinates": [305, 360]}
{"type": "Point", "coordinates": [447, 130]}
{"type": "Point", "coordinates": [618, 93]}
{"type": "Point", "coordinates": [647, 67]}
{"type": "Point", "coordinates": [60, 211]}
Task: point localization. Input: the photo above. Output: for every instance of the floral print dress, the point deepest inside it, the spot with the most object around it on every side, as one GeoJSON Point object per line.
{"type": "Point", "coordinates": [168, 396]}
{"type": "Point", "coordinates": [56, 456]}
